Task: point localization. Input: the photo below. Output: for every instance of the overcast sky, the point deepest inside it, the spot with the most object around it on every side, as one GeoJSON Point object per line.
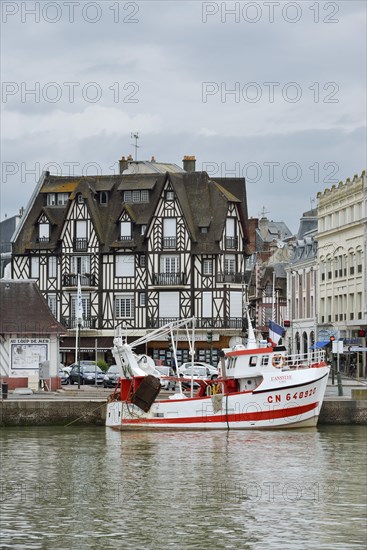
{"type": "Point", "coordinates": [273, 91]}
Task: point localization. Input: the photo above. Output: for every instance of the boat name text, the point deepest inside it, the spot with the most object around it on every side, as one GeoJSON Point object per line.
{"type": "Point", "coordinates": [297, 395]}
{"type": "Point", "coordinates": [281, 378]}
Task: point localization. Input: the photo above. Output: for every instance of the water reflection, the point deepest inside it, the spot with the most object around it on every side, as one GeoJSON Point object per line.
{"type": "Point", "coordinates": [91, 488]}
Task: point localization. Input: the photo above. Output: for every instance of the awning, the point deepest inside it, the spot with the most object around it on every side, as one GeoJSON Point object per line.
{"type": "Point", "coordinates": [320, 344]}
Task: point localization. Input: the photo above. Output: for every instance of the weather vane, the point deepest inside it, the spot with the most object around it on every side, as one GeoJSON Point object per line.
{"type": "Point", "coordinates": [135, 135]}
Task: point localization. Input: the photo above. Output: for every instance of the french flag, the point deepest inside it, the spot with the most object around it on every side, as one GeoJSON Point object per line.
{"type": "Point", "coordinates": [276, 332]}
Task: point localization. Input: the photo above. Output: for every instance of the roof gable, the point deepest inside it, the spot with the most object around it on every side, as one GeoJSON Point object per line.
{"type": "Point", "coordinates": [24, 310]}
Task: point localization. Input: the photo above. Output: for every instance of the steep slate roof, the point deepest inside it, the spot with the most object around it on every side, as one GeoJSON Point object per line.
{"type": "Point", "coordinates": [204, 203]}
{"type": "Point", "coordinates": [24, 310]}
{"type": "Point", "coordinates": [308, 223]}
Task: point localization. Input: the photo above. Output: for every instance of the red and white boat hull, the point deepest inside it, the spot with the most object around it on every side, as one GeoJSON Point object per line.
{"type": "Point", "coordinates": [284, 399]}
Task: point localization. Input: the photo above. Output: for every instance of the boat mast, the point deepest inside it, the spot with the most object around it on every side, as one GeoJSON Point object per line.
{"type": "Point", "coordinates": [251, 340]}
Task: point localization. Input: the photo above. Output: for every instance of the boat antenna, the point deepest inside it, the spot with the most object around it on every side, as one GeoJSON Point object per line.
{"type": "Point", "coordinates": [251, 340]}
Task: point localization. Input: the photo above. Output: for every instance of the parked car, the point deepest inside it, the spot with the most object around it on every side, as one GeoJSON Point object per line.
{"type": "Point", "coordinates": [201, 370]}
{"type": "Point", "coordinates": [111, 376]}
{"type": "Point", "coordinates": [64, 376]}
{"type": "Point", "coordinates": [166, 372]}
{"type": "Point", "coordinates": [88, 370]}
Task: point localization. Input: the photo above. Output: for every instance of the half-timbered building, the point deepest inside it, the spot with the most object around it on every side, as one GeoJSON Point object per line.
{"type": "Point", "coordinates": [153, 244]}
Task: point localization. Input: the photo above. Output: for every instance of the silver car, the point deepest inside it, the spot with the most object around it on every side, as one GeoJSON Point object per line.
{"type": "Point", "coordinates": [199, 369]}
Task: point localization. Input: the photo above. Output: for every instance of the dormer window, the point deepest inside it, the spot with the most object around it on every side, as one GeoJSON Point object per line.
{"type": "Point", "coordinates": [43, 232]}
{"type": "Point", "coordinates": [136, 196]}
{"type": "Point", "coordinates": [62, 198]}
{"type": "Point", "coordinates": [103, 198]}
{"type": "Point", "coordinates": [57, 199]}
{"type": "Point", "coordinates": [143, 229]}
{"type": "Point", "coordinates": [203, 230]}
{"type": "Point", "coordinates": [169, 233]}
{"type": "Point", "coordinates": [51, 199]}
{"type": "Point", "coordinates": [125, 231]}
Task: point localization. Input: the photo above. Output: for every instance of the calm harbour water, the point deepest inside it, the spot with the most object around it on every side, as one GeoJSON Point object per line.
{"type": "Point", "coordinates": [91, 488]}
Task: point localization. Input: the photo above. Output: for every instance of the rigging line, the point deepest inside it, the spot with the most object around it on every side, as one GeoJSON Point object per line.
{"type": "Point", "coordinates": [85, 414]}
{"type": "Point", "coordinates": [227, 411]}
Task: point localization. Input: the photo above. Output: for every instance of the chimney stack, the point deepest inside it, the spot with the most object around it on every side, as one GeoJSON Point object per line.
{"type": "Point", "coordinates": [189, 163]}
{"type": "Point", "coordinates": [123, 164]}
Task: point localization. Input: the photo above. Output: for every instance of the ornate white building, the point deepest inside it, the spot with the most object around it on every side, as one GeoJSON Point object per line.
{"type": "Point", "coordinates": [302, 287]}
{"type": "Point", "coordinates": [342, 238]}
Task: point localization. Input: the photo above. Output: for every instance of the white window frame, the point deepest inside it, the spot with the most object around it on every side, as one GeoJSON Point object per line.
{"type": "Point", "coordinates": [52, 304]}
{"type": "Point", "coordinates": [81, 229]}
{"type": "Point", "coordinates": [103, 198]}
{"type": "Point", "coordinates": [51, 199]}
{"type": "Point", "coordinates": [142, 299]}
{"type": "Point", "coordinates": [169, 227]}
{"type": "Point", "coordinates": [230, 227]}
{"type": "Point", "coordinates": [124, 306]}
{"type": "Point", "coordinates": [229, 264]}
{"type": "Point", "coordinates": [44, 231]}
{"type": "Point", "coordinates": [52, 267]}
{"type": "Point", "coordinates": [208, 266]}
{"type": "Point", "coordinates": [128, 196]}
{"type": "Point", "coordinates": [144, 195]}
{"type": "Point", "coordinates": [80, 264]}
{"type": "Point", "coordinates": [125, 230]}
{"type": "Point", "coordinates": [62, 198]}
{"type": "Point", "coordinates": [169, 263]}
{"type": "Point", "coordinates": [35, 268]}
{"type": "Point", "coordinates": [125, 265]}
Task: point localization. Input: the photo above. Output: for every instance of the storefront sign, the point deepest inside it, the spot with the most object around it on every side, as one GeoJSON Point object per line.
{"type": "Point", "coordinates": [26, 354]}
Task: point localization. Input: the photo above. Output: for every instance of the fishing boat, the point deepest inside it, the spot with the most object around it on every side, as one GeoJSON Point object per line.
{"type": "Point", "coordinates": [259, 386]}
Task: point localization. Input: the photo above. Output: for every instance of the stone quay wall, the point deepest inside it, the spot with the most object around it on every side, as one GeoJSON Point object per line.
{"type": "Point", "coordinates": [63, 412]}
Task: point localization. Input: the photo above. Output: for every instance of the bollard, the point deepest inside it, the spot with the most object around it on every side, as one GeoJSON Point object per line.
{"type": "Point", "coordinates": [4, 390]}
{"type": "Point", "coordinates": [332, 376]}
{"type": "Point", "coordinates": [340, 386]}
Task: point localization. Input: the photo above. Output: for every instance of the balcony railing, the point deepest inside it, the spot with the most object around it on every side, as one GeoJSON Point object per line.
{"type": "Point", "coordinates": [169, 242]}
{"type": "Point", "coordinates": [80, 245]}
{"type": "Point", "coordinates": [238, 278]}
{"type": "Point", "coordinates": [43, 239]}
{"type": "Point", "coordinates": [203, 322]}
{"type": "Point", "coordinates": [169, 279]}
{"type": "Point", "coordinates": [231, 243]}
{"type": "Point", "coordinates": [71, 279]}
{"type": "Point", "coordinates": [72, 322]}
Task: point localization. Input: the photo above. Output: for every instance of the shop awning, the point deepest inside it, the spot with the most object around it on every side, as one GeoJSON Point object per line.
{"type": "Point", "coordinates": [320, 344]}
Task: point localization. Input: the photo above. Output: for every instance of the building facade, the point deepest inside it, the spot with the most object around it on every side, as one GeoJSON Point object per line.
{"type": "Point", "coordinates": [151, 245]}
{"type": "Point", "coordinates": [29, 336]}
{"type": "Point", "coordinates": [269, 245]}
{"type": "Point", "coordinates": [342, 238]}
{"type": "Point", "coordinates": [302, 280]}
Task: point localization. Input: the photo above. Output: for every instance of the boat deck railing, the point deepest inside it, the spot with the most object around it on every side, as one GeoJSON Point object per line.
{"type": "Point", "coordinates": [304, 360]}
